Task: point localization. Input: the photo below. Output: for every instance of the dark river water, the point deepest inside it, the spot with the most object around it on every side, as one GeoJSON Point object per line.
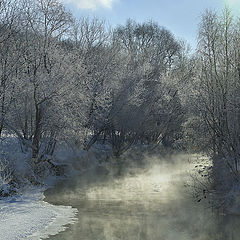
{"type": "Point", "coordinates": [149, 204]}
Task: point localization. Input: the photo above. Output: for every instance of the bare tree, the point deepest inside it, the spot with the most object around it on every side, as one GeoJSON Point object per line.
{"type": "Point", "coordinates": [44, 68]}
{"type": "Point", "coordinates": [218, 52]}
{"type": "Point", "coordinates": [9, 55]}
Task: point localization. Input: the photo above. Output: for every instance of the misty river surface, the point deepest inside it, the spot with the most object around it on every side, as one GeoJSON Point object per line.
{"type": "Point", "coordinates": [149, 204]}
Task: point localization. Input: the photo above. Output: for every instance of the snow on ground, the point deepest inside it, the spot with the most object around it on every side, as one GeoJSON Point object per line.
{"type": "Point", "coordinates": [29, 217]}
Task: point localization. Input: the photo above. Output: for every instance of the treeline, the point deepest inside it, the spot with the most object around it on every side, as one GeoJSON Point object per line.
{"type": "Point", "coordinates": [80, 81]}
{"type": "Point", "coordinates": [83, 82]}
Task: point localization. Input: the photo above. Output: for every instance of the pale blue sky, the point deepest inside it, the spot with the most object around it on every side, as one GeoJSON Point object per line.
{"type": "Point", "coordinates": [181, 17]}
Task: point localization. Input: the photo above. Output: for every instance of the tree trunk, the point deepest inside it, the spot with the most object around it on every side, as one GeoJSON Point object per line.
{"type": "Point", "coordinates": [37, 133]}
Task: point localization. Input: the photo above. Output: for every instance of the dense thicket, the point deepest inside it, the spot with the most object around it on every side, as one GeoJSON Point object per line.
{"type": "Point", "coordinates": [218, 77]}
{"type": "Point", "coordinates": [82, 82]}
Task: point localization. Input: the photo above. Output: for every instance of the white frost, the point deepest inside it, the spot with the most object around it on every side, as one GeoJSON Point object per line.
{"type": "Point", "coordinates": [29, 217]}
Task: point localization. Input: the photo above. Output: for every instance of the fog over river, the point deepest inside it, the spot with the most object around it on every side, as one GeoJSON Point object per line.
{"type": "Point", "coordinates": [147, 202]}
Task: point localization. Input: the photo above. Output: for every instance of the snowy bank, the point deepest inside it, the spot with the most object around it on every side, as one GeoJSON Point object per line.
{"type": "Point", "coordinates": [29, 217]}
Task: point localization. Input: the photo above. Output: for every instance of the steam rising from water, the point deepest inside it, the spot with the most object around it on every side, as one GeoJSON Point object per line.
{"type": "Point", "coordinates": [149, 203]}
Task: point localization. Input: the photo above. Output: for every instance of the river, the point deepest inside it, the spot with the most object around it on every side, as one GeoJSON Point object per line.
{"type": "Point", "coordinates": [150, 203]}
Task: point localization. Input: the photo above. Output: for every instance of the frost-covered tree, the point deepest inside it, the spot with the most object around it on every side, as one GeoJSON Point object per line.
{"type": "Point", "coordinates": [9, 44]}
{"type": "Point", "coordinates": [218, 59]}
{"type": "Point", "coordinates": [148, 100]}
{"type": "Point", "coordinates": [44, 68]}
{"type": "Point", "coordinates": [80, 81]}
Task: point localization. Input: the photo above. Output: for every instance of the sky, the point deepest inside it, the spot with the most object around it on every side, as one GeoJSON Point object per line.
{"type": "Point", "coordinates": [181, 17]}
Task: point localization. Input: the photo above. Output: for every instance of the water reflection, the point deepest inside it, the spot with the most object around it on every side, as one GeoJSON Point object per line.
{"type": "Point", "coordinates": [150, 205]}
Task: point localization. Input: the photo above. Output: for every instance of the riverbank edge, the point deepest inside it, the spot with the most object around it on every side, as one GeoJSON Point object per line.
{"type": "Point", "coordinates": [60, 223]}
{"type": "Point", "coordinates": [30, 217]}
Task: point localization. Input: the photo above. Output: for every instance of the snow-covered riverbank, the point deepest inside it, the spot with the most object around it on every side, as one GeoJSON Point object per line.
{"type": "Point", "coordinates": [29, 217]}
